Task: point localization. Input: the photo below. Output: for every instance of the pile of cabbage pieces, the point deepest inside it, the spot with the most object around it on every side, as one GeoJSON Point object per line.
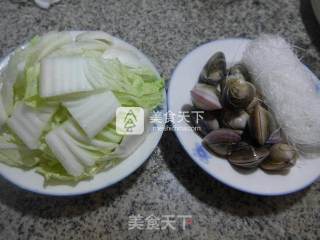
{"type": "Point", "coordinates": [59, 96]}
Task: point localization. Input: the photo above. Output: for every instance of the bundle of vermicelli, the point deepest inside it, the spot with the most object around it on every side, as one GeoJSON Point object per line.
{"type": "Point", "coordinates": [288, 88]}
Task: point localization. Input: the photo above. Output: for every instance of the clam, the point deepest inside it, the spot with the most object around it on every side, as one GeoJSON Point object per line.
{"type": "Point", "coordinates": [190, 118]}
{"type": "Point", "coordinates": [221, 141]}
{"type": "Point", "coordinates": [276, 137]}
{"type": "Point", "coordinates": [212, 124]}
{"type": "Point", "coordinates": [238, 94]}
{"type": "Point", "coordinates": [211, 119]}
{"type": "Point", "coordinates": [236, 122]}
{"type": "Point", "coordinates": [235, 119]}
{"type": "Point", "coordinates": [206, 126]}
{"type": "Point", "coordinates": [259, 124]}
{"type": "Point", "coordinates": [282, 156]}
{"type": "Point", "coordinates": [202, 126]}
{"type": "Point", "coordinates": [209, 122]}
{"type": "Point", "coordinates": [258, 99]}
{"type": "Point", "coordinates": [252, 104]}
{"type": "Point", "coordinates": [240, 71]}
{"type": "Point", "coordinates": [205, 97]}
{"type": "Point", "coordinates": [240, 132]}
{"type": "Point", "coordinates": [215, 69]}
{"type": "Point", "coordinates": [246, 156]}
{"type": "Point", "coordinates": [273, 124]}
{"type": "Point", "coordinates": [209, 115]}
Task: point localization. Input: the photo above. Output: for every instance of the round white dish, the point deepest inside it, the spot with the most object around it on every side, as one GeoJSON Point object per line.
{"type": "Point", "coordinates": [34, 182]}
{"type": "Point", "coordinates": [258, 182]}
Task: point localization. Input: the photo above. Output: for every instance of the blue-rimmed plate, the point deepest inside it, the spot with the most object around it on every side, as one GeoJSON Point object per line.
{"type": "Point", "coordinates": [32, 181]}
{"type": "Point", "coordinates": [258, 182]}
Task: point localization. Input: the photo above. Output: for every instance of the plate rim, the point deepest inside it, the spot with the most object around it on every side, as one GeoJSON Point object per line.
{"type": "Point", "coordinates": [189, 152]}
{"type": "Point", "coordinates": [157, 138]}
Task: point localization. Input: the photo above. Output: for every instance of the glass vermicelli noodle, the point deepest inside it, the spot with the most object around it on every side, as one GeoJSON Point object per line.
{"type": "Point", "coordinates": [288, 88]}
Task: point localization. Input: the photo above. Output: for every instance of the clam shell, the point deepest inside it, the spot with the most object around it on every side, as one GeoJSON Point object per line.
{"type": "Point", "coordinates": [221, 149]}
{"type": "Point", "coordinates": [220, 141]}
{"type": "Point", "coordinates": [259, 124]}
{"type": "Point", "coordinates": [215, 69]}
{"type": "Point", "coordinates": [252, 104]}
{"type": "Point", "coordinates": [205, 97]}
{"type": "Point", "coordinates": [238, 94]}
{"type": "Point", "coordinates": [240, 71]}
{"type": "Point", "coordinates": [283, 152]}
{"type": "Point", "coordinates": [206, 126]}
{"type": "Point", "coordinates": [246, 156]}
{"type": "Point", "coordinates": [235, 119]}
{"type": "Point", "coordinates": [212, 124]}
{"type": "Point", "coordinates": [282, 156]}
{"type": "Point", "coordinates": [275, 137]}
{"type": "Point", "coordinates": [203, 124]}
{"type": "Point", "coordinates": [222, 135]}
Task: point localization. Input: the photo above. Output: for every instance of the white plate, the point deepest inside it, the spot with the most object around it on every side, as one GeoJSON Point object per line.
{"type": "Point", "coordinates": [258, 182]}
{"type": "Point", "coordinates": [32, 181]}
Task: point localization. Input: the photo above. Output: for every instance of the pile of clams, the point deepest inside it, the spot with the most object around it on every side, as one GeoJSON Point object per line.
{"type": "Point", "coordinates": [236, 122]}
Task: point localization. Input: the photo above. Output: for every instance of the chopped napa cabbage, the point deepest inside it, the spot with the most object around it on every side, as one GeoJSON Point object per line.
{"type": "Point", "coordinates": [32, 79]}
{"type": "Point", "coordinates": [130, 143]}
{"type": "Point", "coordinates": [30, 93]}
{"type": "Point", "coordinates": [46, 93]}
{"type": "Point", "coordinates": [28, 123]}
{"type": "Point", "coordinates": [125, 56]}
{"type": "Point", "coordinates": [18, 60]}
{"type": "Point", "coordinates": [69, 75]}
{"type": "Point", "coordinates": [92, 48]}
{"type": "Point", "coordinates": [7, 96]}
{"type": "Point", "coordinates": [93, 112]}
{"type": "Point", "coordinates": [13, 72]}
{"type": "Point", "coordinates": [74, 150]}
{"type": "Point", "coordinates": [54, 173]}
{"type": "Point", "coordinates": [58, 143]}
{"type": "Point", "coordinates": [47, 44]}
{"type": "Point", "coordinates": [101, 146]}
{"type": "Point", "coordinates": [59, 117]}
{"type": "Point", "coordinates": [3, 113]}
{"type": "Point", "coordinates": [84, 46]}
{"type": "Point", "coordinates": [13, 77]}
{"type": "Point", "coordinates": [14, 153]}
{"type": "Point", "coordinates": [65, 75]}
{"type": "Point", "coordinates": [128, 146]}
{"type": "Point", "coordinates": [95, 35]}
{"type": "Point", "coordinates": [139, 87]}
